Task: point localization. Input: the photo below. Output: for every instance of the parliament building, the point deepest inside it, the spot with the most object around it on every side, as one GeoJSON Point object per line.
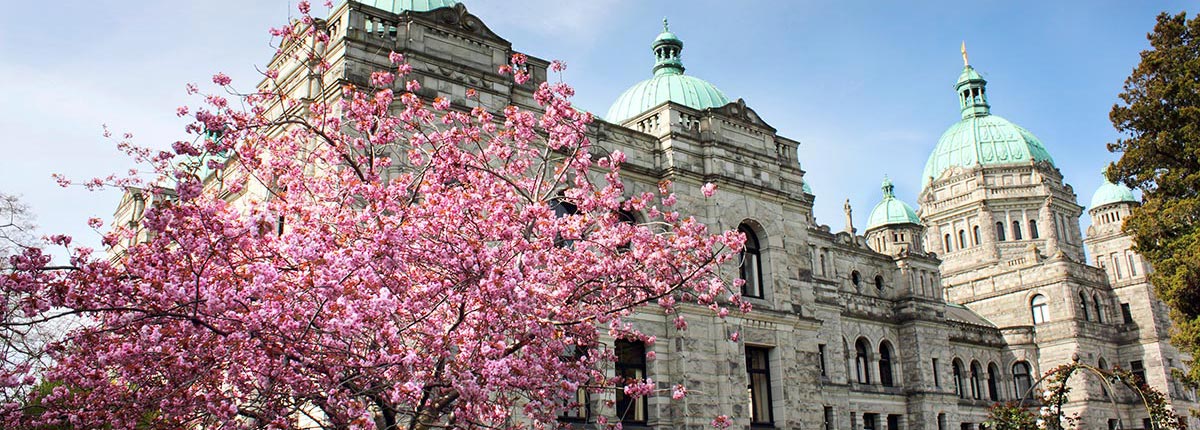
{"type": "Point", "coordinates": [921, 320]}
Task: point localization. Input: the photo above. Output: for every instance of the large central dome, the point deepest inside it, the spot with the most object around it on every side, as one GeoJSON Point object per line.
{"type": "Point", "coordinates": [980, 137]}
{"type": "Point", "coordinates": [668, 84]}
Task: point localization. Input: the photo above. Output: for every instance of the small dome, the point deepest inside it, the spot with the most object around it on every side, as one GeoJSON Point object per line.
{"type": "Point", "coordinates": [891, 210]}
{"type": "Point", "coordinates": [1110, 193]}
{"type": "Point", "coordinates": [398, 6]}
{"type": "Point", "coordinates": [968, 75]}
{"type": "Point", "coordinates": [986, 140]}
{"type": "Point", "coordinates": [669, 84]}
{"type": "Point", "coordinates": [804, 187]}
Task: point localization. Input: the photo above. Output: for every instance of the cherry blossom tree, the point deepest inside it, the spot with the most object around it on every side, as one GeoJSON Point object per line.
{"type": "Point", "coordinates": [375, 260]}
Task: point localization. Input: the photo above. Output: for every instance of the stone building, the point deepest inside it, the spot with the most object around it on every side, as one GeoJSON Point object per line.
{"type": "Point", "coordinates": [921, 322]}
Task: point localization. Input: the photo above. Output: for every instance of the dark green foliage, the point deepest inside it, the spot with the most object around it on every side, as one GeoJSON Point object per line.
{"type": "Point", "coordinates": [1159, 119]}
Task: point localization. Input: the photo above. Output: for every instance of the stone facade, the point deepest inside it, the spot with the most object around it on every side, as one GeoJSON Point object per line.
{"type": "Point", "coordinates": [910, 326]}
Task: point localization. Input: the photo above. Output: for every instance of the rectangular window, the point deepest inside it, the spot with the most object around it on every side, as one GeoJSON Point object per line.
{"type": "Point", "coordinates": [1116, 262]}
{"type": "Point", "coordinates": [631, 367]}
{"type": "Point", "coordinates": [870, 421]}
{"type": "Point", "coordinates": [1137, 368]}
{"type": "Point", "coordinates": [577, 409]}
{"type": "Point", "coordinates": [829, 418]}
{"type": "Point", "coordinates": [821, 358]}
{"type": "Point", "coordinates": [893, 422]}
{"type": "Point", "coordinates": [937, 381]}
{"type": "Point", "coordinates": [759, 373]}
{"type": "Point", "coordinates": [1132, 266]}
{"type": "Point", "coordinates": [1113, 424]}
{"type": "Point", "coordinates": [1125, 313]}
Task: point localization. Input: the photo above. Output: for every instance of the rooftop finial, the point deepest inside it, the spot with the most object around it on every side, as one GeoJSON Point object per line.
{"type": "Point", "coordinates": [964, 53]}
{"type": "Point", "coordinates": [666, 27]}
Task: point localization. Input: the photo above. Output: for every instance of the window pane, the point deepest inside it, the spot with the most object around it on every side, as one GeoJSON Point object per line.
{"type": "Point", "coordinates": [759, 389]}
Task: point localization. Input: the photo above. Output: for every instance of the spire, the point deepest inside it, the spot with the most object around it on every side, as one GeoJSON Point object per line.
{"type": "Point", "coordinates": [971, 88]}
{"type": "Point", "coordinates": [667, 48]}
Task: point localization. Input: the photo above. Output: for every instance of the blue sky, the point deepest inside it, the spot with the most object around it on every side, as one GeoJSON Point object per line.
{"type": "Point", "coordinates": [865, 86]}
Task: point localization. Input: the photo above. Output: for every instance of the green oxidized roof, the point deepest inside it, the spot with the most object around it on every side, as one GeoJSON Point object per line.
{"type": "Point", "coordinates": [891, 210]}
{"type": "Point", "coordinates": [397, 6]}
{"type": "Point", "coordinates": [980, 137]}
{"type": "Point", "coordinates": [1110, 193]}
{"type": "Point", "coordinates": [804, 187]}
{"type": "Point", "coordinates": [668, 84]}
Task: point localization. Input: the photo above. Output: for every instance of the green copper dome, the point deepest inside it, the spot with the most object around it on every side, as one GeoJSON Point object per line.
{"type": "Point", "coordinates": [398, 6]}
{"type": "Point", "coordinates": [891, 210]}
{"type": "Point", "coordinates": [1110, 193]}
{"type": "Point", "coordinates": [804, 187]}
{"type": "Point", "coordinates": [668, 84]}
{"type": "Point", "coordinates": [980, 137]}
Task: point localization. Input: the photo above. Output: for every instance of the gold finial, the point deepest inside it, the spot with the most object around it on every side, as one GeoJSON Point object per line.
{"type": "Point", "coordinates": [964, 52]}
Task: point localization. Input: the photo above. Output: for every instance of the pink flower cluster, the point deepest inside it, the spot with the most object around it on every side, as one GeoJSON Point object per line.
{"type": "Point", "coordinates": [401, 259]}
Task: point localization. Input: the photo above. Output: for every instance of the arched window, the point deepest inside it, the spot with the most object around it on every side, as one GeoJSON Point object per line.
{"type": "Point", "coordinates": [1033, 232]}
{"type": "Point", "coordinates": [1021, 379]}
{"type": "Point", "coordinates": [862, 361]}
{"type": "Point", "coordinates": [1016, 230]}
{"type": "Point", "coordinates": [962, 239]}
{"type": "Point", "coordinates": [1000, 231]}
{"type": "Point", "coordinates": [879, 282]}
{"type": "Point", "coordinates": [959, 388]}
{"type": "Point", "coordinates": [993, 374]}
{"type": "Point", "coordinates": [978, 240]}
{"type": "Point", "coordinates": [885, 364]}
{"type": "Point", "coordinates": [823, 273]}
{"type": "Point", "coordinates": [856, 278]}
{"type": "Point", "coordinates": [946, 242]}
{"type": "Point", "coordinates": [1037, 307]}
{"type": "Point", "coordinates": [1097, 307]}
{"type": "Point", "coordinates": [751, 257]}
{"type": "Point", "coordinates": [1083, 307]}
{"type": "Point", "coordinates": [976, 380]}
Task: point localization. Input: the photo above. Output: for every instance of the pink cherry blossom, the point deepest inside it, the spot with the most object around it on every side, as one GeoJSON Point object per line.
{"type": "Point", "coordinates": [221, 79]}
{"type": "Point", "coordinates": [369, 257]}
{"type": "Point", "coordinates": [708, 189]}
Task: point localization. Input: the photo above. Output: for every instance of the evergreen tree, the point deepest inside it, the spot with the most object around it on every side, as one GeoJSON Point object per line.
{"type": "Point", "coordinates": [1159, 118]}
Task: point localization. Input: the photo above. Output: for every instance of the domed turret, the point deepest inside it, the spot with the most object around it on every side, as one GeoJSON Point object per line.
{"type": "Point", "coordinates": [893, 226]}
{"type": "Point", "coordinates": [980, 137]}
{"type": "Point", "coordinates": [891, 210]}
{"type": "Point", "coordinates": [1110, 193]}
{"type": "Point", "coordinates": [398, 6]}
{"type": "Point", "coordinates": [668, 84]}
{"type": "Point", "coordinates": [1111, 204]}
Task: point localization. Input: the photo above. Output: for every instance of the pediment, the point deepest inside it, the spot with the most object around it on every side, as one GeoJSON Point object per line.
{"type": "Point", "coordinates": [458, 18]}
{"type": "Point", "coordinates": [739, 111]}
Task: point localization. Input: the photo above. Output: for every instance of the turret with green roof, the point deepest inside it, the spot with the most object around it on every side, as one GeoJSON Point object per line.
{"type": "Point", "coordinates": [893, 227]}
{"type": "Point", "coordinates": [668, 84]}
{"type": "Point", "coordinates": [891, 210]}
{"type": "Point", "coordinates": [1110, 193]}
